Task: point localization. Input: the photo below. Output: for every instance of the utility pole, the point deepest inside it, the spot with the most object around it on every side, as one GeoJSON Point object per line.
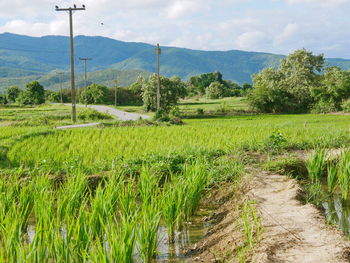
{"type": "Point", "coordinates": [115, 92]}
{"type": "Point", "coordinates": [61, 91]}
{"type": "Point", "coordinates": [70, 10]}
{"type": "Point", "coordinates": [158, 52]}
{"type": "Point", "coordinates": [85, 61]}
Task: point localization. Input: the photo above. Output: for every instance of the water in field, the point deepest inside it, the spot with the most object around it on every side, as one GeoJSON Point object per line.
{"type": "Point", "coordinates": [338, 213]}
{"type": "Point", "coordinates": [175, 252]}
{"type": "Point", "coordinates": [191, 233]}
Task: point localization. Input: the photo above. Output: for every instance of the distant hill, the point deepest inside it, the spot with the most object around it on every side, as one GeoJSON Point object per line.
{"type": "Point", "coordinates": [24, 58]}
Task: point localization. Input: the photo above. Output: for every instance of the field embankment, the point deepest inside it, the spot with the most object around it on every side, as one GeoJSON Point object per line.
{"type": "Point", "coordinates": [293, 231]}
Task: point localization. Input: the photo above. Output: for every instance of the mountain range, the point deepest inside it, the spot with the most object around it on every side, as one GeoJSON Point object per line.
{"type": "Point", "coordinates": [25, 58]}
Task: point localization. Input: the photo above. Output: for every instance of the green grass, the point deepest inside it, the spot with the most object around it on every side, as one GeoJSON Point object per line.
{"type": "Point", "coordinates": [99, 148]}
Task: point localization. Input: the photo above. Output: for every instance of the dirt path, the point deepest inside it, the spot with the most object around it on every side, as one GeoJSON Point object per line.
{"type": "Point", "coordinates": [293, 232]}
{"type": "Point", "coordinates": [121, 115]}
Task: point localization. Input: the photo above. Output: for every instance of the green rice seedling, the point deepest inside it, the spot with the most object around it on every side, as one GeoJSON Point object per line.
{"type": "Point", "coordinates": [71, 195]}
{"type": "Point", "coordinates": [315, 165]}
{"type": "Point", "coordinates": [344, 174]}
{"type": "Point", "coordinates": [148, 184]}
{"type": "Point", "coordinates": [251, 229]}
{"type": "Point", "coordinates": [196, 178]}
{"type": "Point", "coordinates": [332, 177]}
{"type": "Point", "coordinates": [148, 230]}
{"type": "Point", "coordinates": [173, 203]}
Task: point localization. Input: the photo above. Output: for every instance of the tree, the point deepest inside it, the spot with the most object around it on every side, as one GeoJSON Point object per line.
{"type": "Point", "coordinates": [34, 94]}
{"type": "Point", "coordinates": [215, 90]}
{"type": "Point", "coordinates": [301, 71]}
{"type": "Point", "coordinates": [288, 88]}
{"type": "Point", "coordinates": [269, 94]}
{"type": "Point", "coordinates": [198, 84]}
{"type": "Point", "coordinates": [12, 94]}
{"type": "Point", "coordinates": [171, 90]}
{"type": "Point", "coordinates": [3, 99]}
{"type": "Point", "coordinates": [94, 94]}
{"type": "Point", "coordinates": [334, 89]}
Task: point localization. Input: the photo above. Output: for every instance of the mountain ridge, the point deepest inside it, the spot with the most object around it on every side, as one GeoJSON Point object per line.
{"type": "Point", "coordinates": [25, 56]}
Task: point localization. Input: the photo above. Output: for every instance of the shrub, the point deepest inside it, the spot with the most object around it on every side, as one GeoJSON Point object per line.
{"type": "Point", "coordinates": [200, 111]}
{"type": "Point", "coordinates": [324, 107]}
{"type": "Point", "coordinates": [90, 114]}
{"type": "Point", "coordinates": [346, 105]}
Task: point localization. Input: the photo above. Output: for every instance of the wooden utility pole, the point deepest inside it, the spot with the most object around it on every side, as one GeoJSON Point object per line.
{"type": "Point", "coordinates": [61, 91]}
{"type": "Point", "coordinates": [158, 52]}
{"type": "Point", "coordinates": [70, 11]}
{"type": "Point", "coordinates": [115, 92]}
{"type": "Point", "coordinates": [85, 61]}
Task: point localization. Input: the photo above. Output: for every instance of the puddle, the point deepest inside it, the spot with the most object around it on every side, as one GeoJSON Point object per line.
{"type": "Point", "coordinates": [191, 232]}
{"type": "Point", "coordinates": [338, 213]}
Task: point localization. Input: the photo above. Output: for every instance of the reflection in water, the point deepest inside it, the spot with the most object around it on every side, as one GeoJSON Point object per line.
{"type": "Point", "coordinates": [338, 213]}
{"type": "Point", "coordinates": [190, 234]}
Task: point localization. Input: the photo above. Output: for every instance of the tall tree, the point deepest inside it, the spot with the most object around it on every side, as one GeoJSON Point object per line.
{"type": "Point", "coordinates": [171, 90]}
{"type": "Point", "coordinates": [12, 94]}
{"type": "Point", "coordinates": [34, 94]}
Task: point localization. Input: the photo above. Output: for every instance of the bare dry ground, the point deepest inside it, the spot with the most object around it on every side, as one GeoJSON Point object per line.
{"type": "Point", "coordinates": [293, 231]}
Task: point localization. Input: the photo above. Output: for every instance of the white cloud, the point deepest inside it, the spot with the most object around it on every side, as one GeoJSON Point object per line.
{"type": "Point", "coordinates": [251, 40]}
{"type": "Point", "coordinates": [272, 25]}
{"type": "Point", "coordinates": [288, 32]}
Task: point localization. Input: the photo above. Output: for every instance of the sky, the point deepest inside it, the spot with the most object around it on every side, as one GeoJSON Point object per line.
{"type": "Point", "coordinates": [275, 26]}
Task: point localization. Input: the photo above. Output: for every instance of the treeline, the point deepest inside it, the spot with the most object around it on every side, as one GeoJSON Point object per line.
{"type": "Point", "coordinates": [301, 83]}
{"type": "Point", "coordinates": [143, 91]}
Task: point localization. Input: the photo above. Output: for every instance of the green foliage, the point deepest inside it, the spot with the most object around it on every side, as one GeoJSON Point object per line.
{"type": "Point", "coordinates": [334, 89]}
{"type": "Point", "coordinates": [315, 165]}
{"type": "Point", "coordinates": [324, 107]}
{"type": "Point", "coordinates": [288, 88]}
{"type": "Point", "coordinates": [213, 86]}
{"type": "Point", "coordinates": [90, 114]}
{"type": "Point", "coordinates": [215, 90]}
{"type": "Point", "coordinates": [290, 166]}
{"type": "Point", "coordinates": [171, 90]}
{"type": "Point", "coordinates": [94, 94]}
{"type": "Point", "coordinates": [346, 105]}
{"type": "Point", "coordinates": [276, 141]}
{"type": "Point", "coordinates": [12, 94]}
{"type": "Point", "coordinates": [198, 84]}
{"type": "Point", "coordinates": [34, 94]}
{"type": "Point", "coordinates": [3, 99]}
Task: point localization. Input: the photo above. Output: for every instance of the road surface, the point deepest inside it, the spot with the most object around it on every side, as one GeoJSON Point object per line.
{"type": "Point", "coordinates": [121, 115]}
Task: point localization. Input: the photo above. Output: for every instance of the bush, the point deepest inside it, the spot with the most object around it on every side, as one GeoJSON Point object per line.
{"type": "Point", "coordinates": [324, 107]}
{"type": "Point", "coordinates": [200, 111]}
{"type": "Point", "coordinates": [90, 114]}
{"type": "Point", "coordinates": [346, 105]}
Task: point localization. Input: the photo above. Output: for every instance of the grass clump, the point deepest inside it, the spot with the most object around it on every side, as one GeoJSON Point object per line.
{"type": "Point", "coordinates": [290, 166]}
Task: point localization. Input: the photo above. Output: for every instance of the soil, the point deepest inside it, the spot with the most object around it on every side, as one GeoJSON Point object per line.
{"type": "Point", "coordinates": [292, 231]}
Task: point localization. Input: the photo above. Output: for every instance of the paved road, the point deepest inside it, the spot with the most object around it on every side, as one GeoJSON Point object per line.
{"type": "Point", "coordinates": [121, 115]}
{"type": "Point", "coordinates": [78, 125]}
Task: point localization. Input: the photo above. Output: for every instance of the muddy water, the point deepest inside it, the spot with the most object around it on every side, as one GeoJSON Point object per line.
{"type": "Point", "coordinates": [190, 234]}
{"type": "Point", "coordinates": [338, 213]}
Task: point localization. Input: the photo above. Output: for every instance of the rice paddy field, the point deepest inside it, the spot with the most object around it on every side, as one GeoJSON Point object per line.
{"type": "Point", "coordinates": [122, 194]}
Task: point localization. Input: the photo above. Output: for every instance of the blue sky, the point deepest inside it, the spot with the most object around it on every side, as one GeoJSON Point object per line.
{"type": "Point", "coordinates": [276, 26]}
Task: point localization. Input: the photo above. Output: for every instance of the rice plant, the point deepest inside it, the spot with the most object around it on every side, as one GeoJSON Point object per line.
{"type": "Point", "coordinates": [315, 165]}
{"type": "Point", "coordinates": [332, 177]}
